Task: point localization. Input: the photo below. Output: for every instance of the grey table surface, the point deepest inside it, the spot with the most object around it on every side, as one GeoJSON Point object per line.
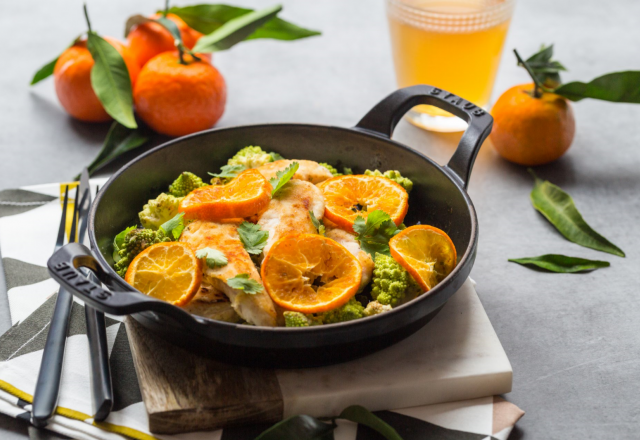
{"type": "Point", "coordinates": [573, 340]}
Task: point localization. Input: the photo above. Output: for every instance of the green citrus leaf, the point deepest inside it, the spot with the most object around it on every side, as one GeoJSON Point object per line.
{"type": "Point", "coordinates": [206, 18]}
{"type": "Point", "coordinates": [110, 80]}
{"type": "Point", "coordinates": [545, 69]}
{"type": "Point", "coordinates": [300, 427]}
{"type": "Point", "coordinates": [363, 416]}
{"type": "Point", "coordinates": [244, 282]}
{"type": "Point", "coordinates": [119, 140]}
{"type": "Point", "coordinates": [134, 21]}
{"type": "Point", "coordinates": [47, 70]}
{"type": "Point", "coordinates": [236, 30]}
{"type": "Point", "coordinates": [614, 87]}
{"type": "Point", "coordinates": [561, 263]}
{"type": "Point", "coordinates": [558, 207]}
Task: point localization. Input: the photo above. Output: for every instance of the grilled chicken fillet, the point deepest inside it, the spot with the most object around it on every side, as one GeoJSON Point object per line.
{"type": "Point", "coordinates": [256, 308]}
{"type": "Point", "coordinates": [308, 170]}
{"type": "Point", "coordinates": [288, 211]}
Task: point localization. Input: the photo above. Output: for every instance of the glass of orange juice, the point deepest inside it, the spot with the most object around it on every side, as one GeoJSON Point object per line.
{"type": "Point", "coordinates": [454, 45]}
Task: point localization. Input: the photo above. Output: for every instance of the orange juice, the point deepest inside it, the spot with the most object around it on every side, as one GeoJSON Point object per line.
{"type": "Point", "coordinates": [454, 45]}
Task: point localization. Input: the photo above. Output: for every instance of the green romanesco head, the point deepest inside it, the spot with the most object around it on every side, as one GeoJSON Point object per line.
{"type": "Point", "coordinates": [390, 281]}
{"type": "Point", "coordinates": [331, 168]}
{"type": "Point", "coordinates": [159, 210]}
{"type": "Point", "coordinates": [394, 175]}
{"type": "Point", "coordinates": [298, 319]}
{"type": "Point", "coordinates": [348, 312]}
{"type": "Point", "coordinates": [251, 157]}
{"type": "Point", "coordinates": [135, 242]}
{"type": "Point", "coordinates": [184, 184]}
{"type": "Point", "coordinates": [375, 308]}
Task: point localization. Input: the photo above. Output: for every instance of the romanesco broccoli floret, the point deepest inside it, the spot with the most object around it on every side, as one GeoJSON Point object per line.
{"type": "Point", "coordinates": [159, 210]}
{"type": "Point", "coordinates": [184, 184]}
{"type": "Point", "coordinates": [331, 168]}
{"type": "Point", "coordinates": [251, 157]}
{"type": "Point", "coordinates": [375, 308]}
{"type": "Point", "coordinates": [390, 281]}
{"type": "Point", "coordinates": [348, 312]}
{"type": "Point", "coordinates": [298, 319]}
{"type": "Point", "coordinates": [135, 242]}
{"type": "Point", "coordinates": [394, 175]}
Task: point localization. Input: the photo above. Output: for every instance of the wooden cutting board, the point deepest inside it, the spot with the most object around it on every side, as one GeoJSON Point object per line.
{"type": "Point", "coordinates": [456, 356]}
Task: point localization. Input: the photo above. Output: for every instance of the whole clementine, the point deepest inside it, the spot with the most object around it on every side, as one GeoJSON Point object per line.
{"type": "Point", "coordinates": [147, 40]}
{"type": "Point", "coordinates": [72, 80]}
{"type": "Point", "coordinates": [177, 99]}
{"type": "Point", "coordinates": [529, 130]}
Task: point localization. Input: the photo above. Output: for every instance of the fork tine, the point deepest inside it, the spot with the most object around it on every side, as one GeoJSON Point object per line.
{"type": "Point", "coordinates": [63, 219]}
{"type": "Point", "coordinates": [74, 222]}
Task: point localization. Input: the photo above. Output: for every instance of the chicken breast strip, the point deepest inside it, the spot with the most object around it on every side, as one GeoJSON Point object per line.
{"type": "Point", "coordinates": [288, 211]}
{"type": "Point", "coordinates": [349, 241]}
{"type": "Point", "coordinates": [308, 170]}
{"type": "Point", "coordinates": [256, 308]}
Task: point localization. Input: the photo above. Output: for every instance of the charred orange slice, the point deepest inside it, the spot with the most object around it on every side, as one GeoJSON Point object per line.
{"type": "Point", "coordinates": [246, 195]}
{"type": "Point", "coordinates": [426, 252]}
{"type": "Point", "coordinates": [310, 273]}
{"type": "Point", "coordinates": [347, 197]}
{"type": "Point", "coordinates": [167, 271]}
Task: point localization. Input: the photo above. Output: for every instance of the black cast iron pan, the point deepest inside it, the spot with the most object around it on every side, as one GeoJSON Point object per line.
{"type": "Point", "coordinates": [439, 198]}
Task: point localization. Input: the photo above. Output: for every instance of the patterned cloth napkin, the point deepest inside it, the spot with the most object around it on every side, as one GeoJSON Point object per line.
{"type": "Point", "coordinates": [29, 219]}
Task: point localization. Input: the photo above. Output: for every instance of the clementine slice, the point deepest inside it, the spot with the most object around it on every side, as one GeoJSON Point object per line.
{"type": "Point", "coordinates": [167, 271]}
{"type": "Point", "coordinates": [310, 273]}
{"type": "Point", "coordinates": [426, 252]}
{"type": "Point", "coordinates": [347, 197]}
{"type": "Point", "coordinates": [246, 195]}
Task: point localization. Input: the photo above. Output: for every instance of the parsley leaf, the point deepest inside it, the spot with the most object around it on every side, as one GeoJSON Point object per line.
{"type": "Point", "coordinates": [174, 227]}
{"type": "Point", "coordinates": [213, 257]}
{"type": "Point", "coordinates": [275, 156]}
{"type": "Point", "coordinates": [228, 171]}
{"type": "Point", "coordinates": [243, 282]}
{"type": "Point", "coordinates": [375, 233]}
{"type": "Point", "coordinates": [118, 241]}
{"type": "Point", "coordinates": [283, 177]}
{"type": "Point", "coordinates": [252, 237]}
{"type": "Point", "coordinates": [317, 223]}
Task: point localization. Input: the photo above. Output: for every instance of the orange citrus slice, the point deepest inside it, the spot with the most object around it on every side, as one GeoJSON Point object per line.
{"type": "Point", "coordinates": [310, 273]}
{"type": "Point", "coordinates": [246, 195]}
{"type": "Point", "coordinates": [426, 252]}
{"type": "Point", "coordinates": [167, 271]}
{"type": "Point", "coordinates": [347, 197]}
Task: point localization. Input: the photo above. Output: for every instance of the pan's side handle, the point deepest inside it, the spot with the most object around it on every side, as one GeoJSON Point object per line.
{"type": "Point", "coordinates": [64, 266]}
{"type": "Point", "coordinates": [383, 118]}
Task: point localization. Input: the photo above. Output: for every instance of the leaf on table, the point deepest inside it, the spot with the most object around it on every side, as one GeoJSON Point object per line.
{"type": "Point", "coordinates": [558, 207]}
{"type": "Point", "coordinates": [374, 233]}
{"type": "Point", "coordinates": [363, 416]}
{"type": "Point", "coordinates": [561, 263]}
{"type": "Point", "coordinates": [282, 177]}
{"type": "Point", "coordinates": [614, 87]}
{"type": "Point", "coordinates": [206, 18]}
{"type": "Point", "coordinates": [547, 71]}
{"type": "Point", "coordinates": [301, 427]}
{"type": "Point", "coordinates": [110, 80]}
{"type": "Point", "coordinates": [119, 140]}
{"type": "Point", "coordinates": [213, 257]}
{"type": "Point", "coordinates": [235, 30]}
{"type": "Point", "coordinates": [245, 283]}
{"type": "Point", "coordinates": [47, 70]}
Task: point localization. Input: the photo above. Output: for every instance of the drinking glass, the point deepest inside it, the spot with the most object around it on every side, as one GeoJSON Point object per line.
{"type": "Point", "coordinates": [454, 45]}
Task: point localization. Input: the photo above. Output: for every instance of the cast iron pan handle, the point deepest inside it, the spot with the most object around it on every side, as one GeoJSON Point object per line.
{"type": "Point", "coordinates": [384, 117]}
{"type": "Point", "coordinates": [64, 266]}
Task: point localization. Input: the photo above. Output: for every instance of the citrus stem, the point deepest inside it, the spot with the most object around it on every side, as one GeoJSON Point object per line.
{"type": "Point", "coordinates": [86, 16]}
{"type": "Point", "coordinates": [181, 54]}
{"type": "Point", "coordinates": [538, 88]}
{"type": "Point", "coordinates": [166, 8]}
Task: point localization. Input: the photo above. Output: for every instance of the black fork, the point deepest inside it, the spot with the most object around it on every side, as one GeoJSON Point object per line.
{"type": "Point", "coordinates": [48, 384]}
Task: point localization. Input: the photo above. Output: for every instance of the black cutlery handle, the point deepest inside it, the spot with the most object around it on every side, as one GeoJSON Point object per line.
{"type": "Point", "coordinates": [101, 386]}
{"type": "Point", "coordinates": [48, 383]}
{"type": "Point", "coordinates": [383, 118]}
